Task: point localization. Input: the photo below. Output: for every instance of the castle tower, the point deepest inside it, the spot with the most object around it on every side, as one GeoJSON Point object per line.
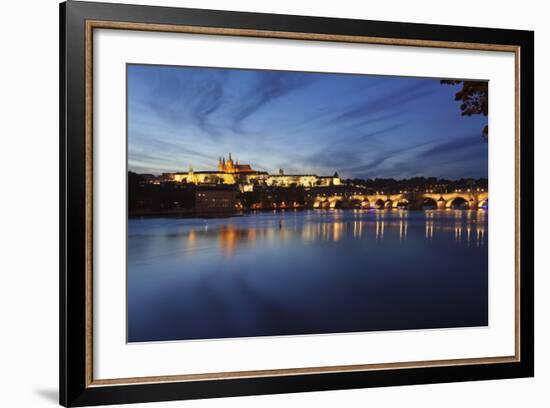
{"type": "Point", "coordinates": [230, 165]}
{"type": "Point", "coordinates": [220, 164]}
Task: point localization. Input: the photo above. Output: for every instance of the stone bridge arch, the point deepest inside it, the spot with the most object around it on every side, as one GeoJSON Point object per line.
{"type": "Point", "coordinates": [483, 200]}
{"type": "Point", "coordinates": [379, 203]}
{"type": "Point", "coordinates": [460, 202]}
{"type": "Point", "coordinates": [336, 202]}
{"type": "Point", "coordinates": [321, 202]}
{"type": "Point", "coordinates": [429, 202]}
{"type": "Point", "coordinates": [401, 203]}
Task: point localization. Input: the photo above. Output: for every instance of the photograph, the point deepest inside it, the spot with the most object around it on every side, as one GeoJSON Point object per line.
{"type": "Point", "coordinates": [283, 203]}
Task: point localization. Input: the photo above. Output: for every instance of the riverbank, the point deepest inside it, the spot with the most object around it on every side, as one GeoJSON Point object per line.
{"type": "Point", "coordinates": [191, 213]}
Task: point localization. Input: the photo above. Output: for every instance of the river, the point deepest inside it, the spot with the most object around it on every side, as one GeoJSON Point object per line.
{"type": "Point", "coordinates": [306, 272]}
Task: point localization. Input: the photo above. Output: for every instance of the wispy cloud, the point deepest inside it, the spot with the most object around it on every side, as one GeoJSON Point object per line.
{"type": "Point", "coordinates": [372, 168]}
{"type": "Point", "coordinates": [451, 146]}
{"type": "Point", "coordinates": [269, 86]}
{"type": "Point", "coordinates": [384, 103]}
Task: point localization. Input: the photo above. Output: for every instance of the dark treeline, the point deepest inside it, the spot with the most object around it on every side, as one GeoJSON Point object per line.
{"type": "Point", "coordinates": [266, 196]}
{"type": "Point", "coordinates": [145, 196]}
{"type": "Point", "coordinates": [419, 183]}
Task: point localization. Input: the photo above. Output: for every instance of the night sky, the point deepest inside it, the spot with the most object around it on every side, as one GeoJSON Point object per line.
{"type": "Point", "coordinates": [357, 125]}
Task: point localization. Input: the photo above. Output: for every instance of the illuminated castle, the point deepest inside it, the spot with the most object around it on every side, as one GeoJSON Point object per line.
{"type": "Point", "coordinates": [230, 172]}
{"type": "Point", "coordinates": [231, 167]}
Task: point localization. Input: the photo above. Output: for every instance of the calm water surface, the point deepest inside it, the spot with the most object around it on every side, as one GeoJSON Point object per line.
{"type": "Point", "coordinates": [306, 272]}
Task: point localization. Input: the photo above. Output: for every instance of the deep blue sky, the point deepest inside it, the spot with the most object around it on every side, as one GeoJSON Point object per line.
{"type": "Point", "coordinates": [358, 125]}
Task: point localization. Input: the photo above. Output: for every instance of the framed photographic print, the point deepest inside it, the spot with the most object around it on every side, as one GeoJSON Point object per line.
{"type": "Point", "coordinates": [256, 203]}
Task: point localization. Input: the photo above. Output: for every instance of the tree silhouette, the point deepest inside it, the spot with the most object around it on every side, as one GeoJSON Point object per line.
{"type": "Point", "coordinates": [474, 96]}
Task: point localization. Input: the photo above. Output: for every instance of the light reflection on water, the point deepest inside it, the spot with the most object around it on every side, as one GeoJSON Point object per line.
{"type": "Point", "coordinates": [331, 225]}
{"type": "Point", "coordinates": [271, 273]}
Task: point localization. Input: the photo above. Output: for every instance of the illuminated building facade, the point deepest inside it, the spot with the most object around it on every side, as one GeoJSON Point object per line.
{"type": "Point", "coordinates": [231, 172]}
{"type": "Point", "coordinates": [302, 180]}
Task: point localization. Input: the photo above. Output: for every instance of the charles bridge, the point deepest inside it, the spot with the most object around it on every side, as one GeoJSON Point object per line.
{"type": "Point", "coordinates": [469, 199]}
